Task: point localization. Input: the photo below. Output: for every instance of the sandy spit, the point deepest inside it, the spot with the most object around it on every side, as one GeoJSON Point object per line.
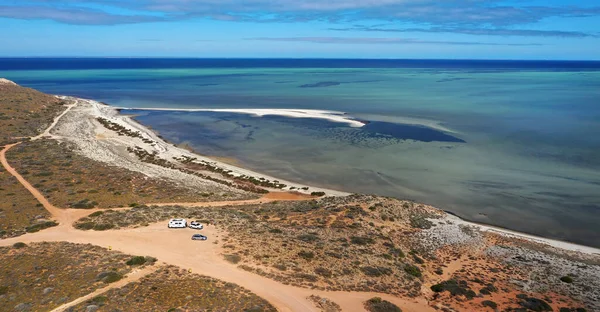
{"type": "Point", "coordinates": [334, 116]}
{"type": "Point", "coordinates": [94, 141]}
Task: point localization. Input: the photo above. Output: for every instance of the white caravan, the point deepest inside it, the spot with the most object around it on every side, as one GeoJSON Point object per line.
{"type": "Point", "coordinates": [177, 223]}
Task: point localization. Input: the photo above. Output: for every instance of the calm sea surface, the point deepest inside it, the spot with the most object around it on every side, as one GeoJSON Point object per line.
{"type": "Point", "coordinates": [510, 143]}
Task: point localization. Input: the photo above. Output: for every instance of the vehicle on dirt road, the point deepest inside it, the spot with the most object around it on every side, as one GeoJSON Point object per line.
{"type": "Point", "coordinates": [199, 237]}
{"type": "Point", "coordinates": [196, 225]}
{"type": "Point", "coordinates": [177, 223]}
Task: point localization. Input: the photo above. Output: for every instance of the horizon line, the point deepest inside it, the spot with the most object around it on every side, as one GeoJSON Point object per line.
{"type": "Point", "coordinates": [295, 58]}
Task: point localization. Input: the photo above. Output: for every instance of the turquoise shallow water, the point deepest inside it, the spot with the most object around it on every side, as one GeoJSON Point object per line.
{"type": "Point", "coordinates": [530, 160]}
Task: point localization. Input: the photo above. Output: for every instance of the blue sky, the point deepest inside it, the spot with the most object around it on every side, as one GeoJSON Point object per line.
{"type": "Point", "coordinates": [480, 29]}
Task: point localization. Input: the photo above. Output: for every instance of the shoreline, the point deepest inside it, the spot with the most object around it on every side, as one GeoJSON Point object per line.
{"type": "Point", "coordinates": [114, 114]}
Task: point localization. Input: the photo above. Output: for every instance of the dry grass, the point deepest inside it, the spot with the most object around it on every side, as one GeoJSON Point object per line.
{"type": "Point", "coordinates": [174, 289]}
{"type": "Point", "coordinates": [25, 112]}
{"type": "Point", "coordinates": [68, 179]}
{"type": "Point", "coordinates": [42, 276]}
{"type": "Point", "coordinates": [18, 208]}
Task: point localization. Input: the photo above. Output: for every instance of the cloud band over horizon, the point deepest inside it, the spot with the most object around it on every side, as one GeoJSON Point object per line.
{"type": "Point", "coordinates": [460, 23]}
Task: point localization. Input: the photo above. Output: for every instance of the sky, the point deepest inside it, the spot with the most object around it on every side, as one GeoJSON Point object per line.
{"type": "Point", "coordinates": [442, 29]}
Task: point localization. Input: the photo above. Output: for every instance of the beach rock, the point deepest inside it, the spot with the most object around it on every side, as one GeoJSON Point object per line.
{"type": "Point", "coordinates": [23, 307]}
{"type": "Point", "coordinates": [6, 82]}
{"type": "Point", "coordinates": [91, 308]}
{"type": "Point", "coordinates": [47, 290]}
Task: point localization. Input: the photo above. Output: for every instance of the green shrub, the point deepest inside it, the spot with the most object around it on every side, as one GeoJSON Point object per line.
{"type": "Point", "coordinates": [412, 270]}
{"type": "Point", "coordinates": [567, 279]}
{"type": "Point", "coordinates": [137, 260]}
{"type": "Point", "coordinates": [40, 226]}
{"type": "Point", "coordinates": [377, 304]}
{"type": "Point", "coordinates": [96, 214]}
{"type": "Point", "coordinates": [112, 277]}
{"type": "Point", "coordinates": [420, 222]}
{"type": "Point", "coordinates": [275, 231]}
{"type": "Point", "coordinates": [19, 245]}
{"type": "Point", "coordinates": [99, 300]}
{"type": "Point", "coordinates": [456, 288]}
{"type": "Point", "coordinates": [489, 303]}
{"type": "Point", "coordinates": [317, 194]}
{"type": "Point", "coordinates": [3, 290]}
{"type": "Point", "coordinates": [535, 304]}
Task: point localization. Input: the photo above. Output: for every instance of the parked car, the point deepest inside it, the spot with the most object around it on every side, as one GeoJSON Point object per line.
{"type": "Point", "coordinates": [177, 223]}
{"type": "Point", "coordinates": [196, 225]}
{"type": "Point", "coordinates": [199, 237]}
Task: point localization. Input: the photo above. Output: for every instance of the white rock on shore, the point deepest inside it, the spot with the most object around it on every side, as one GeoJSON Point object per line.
{"type": "Point", "coordinates": [7, 82]}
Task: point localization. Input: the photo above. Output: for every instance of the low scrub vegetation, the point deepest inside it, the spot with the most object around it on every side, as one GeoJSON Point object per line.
{"type": "Point", "coordinates": [174, 289]}
{"type": "Point", "coordinates": [43, 276]}
{"type": "Point", "coordinates": [20, 212]}
{"type": "Point", "coordinates": [377, 304]}
{"type": "Point", "coordinates": [79, 182]}
{"type": "Point", "coordinates": [326, 244]}
{"type": "Point", "coordinates": [25, 112]}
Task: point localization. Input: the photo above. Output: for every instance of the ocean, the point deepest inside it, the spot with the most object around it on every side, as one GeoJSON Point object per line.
{"type": "Point", "coordinates": [509, 143]}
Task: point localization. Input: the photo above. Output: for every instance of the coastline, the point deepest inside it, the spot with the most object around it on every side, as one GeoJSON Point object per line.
{"type": "Point", "coordinates": [170, 150]}
{"type": "Point", "coordinates": [167, 149]}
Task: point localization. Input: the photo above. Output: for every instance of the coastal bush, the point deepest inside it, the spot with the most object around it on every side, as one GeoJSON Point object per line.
{"type": "Point", "coordinates": [308, 238]}
{"type": "Point", "coordinates": [235, 259]}
{"type": "Point", "coordinates": [306, 255]}
{"type": "Point", "coordinates": [111, 277]}
{"type": "Point", "coordinates": [357, 240]}
{"type": "Point", "coordinates": [19, 245]}
{"type": "Point", "coordinates": [319, 194]}
{"type": "Point", "coordinates": [376, 271]}
{"type": "Point", "coordinates": [412, 270]}
{"type": "Point", "coordinates": [96, 214]}
{"type": "Point", "coordinates": [323, 272]}
{"type": "Point", "coordinates": [84, 204]}
{"type": "Point", "coordinates": [40, 226]}
{"type": "Point", "coordinates": [377, 304]}
{"type": "Point", "coordinates": [84, 225]}
{"type": "Point", "coordinates": [535, 304]}
{"type": "Point", "coordinates": [3, 290]}
{"type": "Point", "coordinates": [456, 288]}
{"type": "Point", "coordinates": [567, 279]}
{"type": "Point", "coordinates": [103, 226]}
{"type": "Point", "coordinates": [489, 303]}
{"type": "Point", "coordinates": [420, 222]}
{"type": "Point", "coordinates": [137, 260]}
